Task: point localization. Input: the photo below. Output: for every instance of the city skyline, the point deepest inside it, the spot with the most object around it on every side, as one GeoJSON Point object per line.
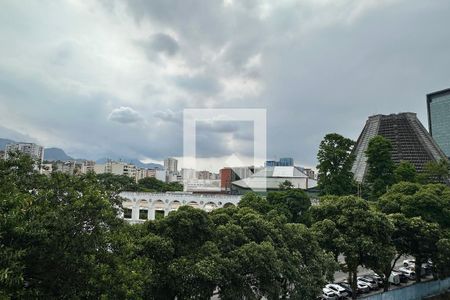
{"type": "Point", "coordinates": [84, 79]}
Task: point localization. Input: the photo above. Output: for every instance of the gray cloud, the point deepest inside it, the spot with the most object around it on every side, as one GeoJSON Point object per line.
{"type": "Point", "coordinates": [125, 115]}
{"type": "Point", "coordinates": [198, 84]}
{"type": "Point", "coordinates": [316, 67]}
{"type": "Point", "coordinates": [163, 43]}
{"type": "Point", "coordinates": [224, 138]}
{"type": "Point", "coordinates": [169, 116]}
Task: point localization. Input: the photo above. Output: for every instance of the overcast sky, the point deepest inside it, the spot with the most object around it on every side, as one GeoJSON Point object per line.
{"type": "Point", "coordinates": [111, 78]}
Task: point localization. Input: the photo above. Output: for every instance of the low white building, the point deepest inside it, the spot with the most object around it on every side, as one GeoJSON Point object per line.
{"type": "Point", "coordinates": [201, 185]}
{"type": "Point", "coordinates": [270, 178]}
{"type": "Point", "coordinates": [139, 207]}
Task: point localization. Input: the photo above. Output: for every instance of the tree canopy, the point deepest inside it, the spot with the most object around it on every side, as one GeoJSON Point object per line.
{"type": "Point", "coordinates": [335, 163]}
{"type": "Point", "coordinates": [380, 171]}
{"type": "Point", "coordinates": [61, 237]}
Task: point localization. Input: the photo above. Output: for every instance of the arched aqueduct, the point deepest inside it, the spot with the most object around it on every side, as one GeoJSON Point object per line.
{"type": "Point", "coordinates": [139, 207]}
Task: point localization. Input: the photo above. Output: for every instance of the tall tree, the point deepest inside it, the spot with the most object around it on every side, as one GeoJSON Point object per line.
{"type": "Point", "coordinates": [380, 173]}
{"type": "Point", "coordinates": [405, 171]}
{"type": "Point", "coordinates": [335, 163]}
{"type": "Point", "coordinates": [360, 234]}
{"type": "Point", "coordinates": [268, 259]}
{"type": "Point", "coordinates": [293, 203]}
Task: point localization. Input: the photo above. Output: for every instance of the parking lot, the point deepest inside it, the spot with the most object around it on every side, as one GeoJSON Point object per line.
{"type": "Point", "coordinates": [341, 276]}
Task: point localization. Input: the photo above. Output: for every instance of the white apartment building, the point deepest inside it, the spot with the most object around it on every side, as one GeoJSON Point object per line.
{"type": "Point", "coordinates": [116, 168]}
{"type": "Point", "coordinates": [33, 150]}
{"type": "Point", "coordinates": [88, 166]}
{"type": "Point", "coordinates": [161, 175]}
{"type": "Point", "coordinates": [171, 165]}
{"type": "Point", "coordinates": [188, 174]}
{"type": "Point", "coordinates": [144, 173]}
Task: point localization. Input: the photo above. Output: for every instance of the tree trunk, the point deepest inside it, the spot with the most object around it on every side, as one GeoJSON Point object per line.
{"type": "Point", "coordinates": [353, 283]}
{"type": "Point", "coordinates": [418, 270]}
{"type": "Point", "coordinates": [386, 283]}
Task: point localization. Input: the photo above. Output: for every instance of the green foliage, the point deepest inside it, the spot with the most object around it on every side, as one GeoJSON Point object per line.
{"type": "Point", "coordinates": [55, 233]}
{"type": "Point", "coordinates": [120, 183]}
{"type": "Point", "coordinates": [380, 172]}
{"type": "Point", "coordinates": [356, 231]}
{"type": "Point", "coordinates": [405, 171]}
{"type": "Point", "coordinates": [335, 162]}
{"type": "Point", "coordinates": [151, 184]}
{"type": "Point", "coordinates": [435, 172]}
{"type": "Point", "coordinates": [60, 237]}
{"type": "Point", "coordinates": [255, 202]}
{"type": "Point", "coordinates": [293, 203]}
{"type": "Point", "coordinates": [442, 260]}
{"type": "Point", "coordinates": [286, 185]}
{"type": "Point", "coordinates": [430, 202]}
{"type": "Point", "coordinates": [116, 183]}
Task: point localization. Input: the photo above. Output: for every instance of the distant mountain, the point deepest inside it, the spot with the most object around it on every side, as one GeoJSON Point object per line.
{"type": "Point", "coordinates": [52, 154]}
{"type": "Point", "coordinates": [133, 161]}
{"type": "Point", "coordinates": [56, 154]}
{"type": "Point", "coordinates": [4, 142]}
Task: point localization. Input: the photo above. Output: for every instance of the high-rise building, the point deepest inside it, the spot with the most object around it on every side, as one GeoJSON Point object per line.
{"type": "Point", "coordinates": [286, 162]}
{"type": "Point", "coordinates": [410, 142]}
{"type": "Point", "coordinates": [438, 104]}
{"type": "Point", "coordinates": [171, 165]}
{"type": "Point", "coordinates": [33, 150]}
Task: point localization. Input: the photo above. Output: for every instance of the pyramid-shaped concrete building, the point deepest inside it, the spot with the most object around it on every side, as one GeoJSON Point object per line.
{"type": "Point", "coordinates": [410, 141]}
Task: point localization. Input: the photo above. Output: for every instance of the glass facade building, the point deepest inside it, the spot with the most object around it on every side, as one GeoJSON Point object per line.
{"type": "Point", "coordinates": [286, 161]}
{"type": "Point", "coordinates": [283, 162]}
{"type": "Point", "coordinates": [438, 105]}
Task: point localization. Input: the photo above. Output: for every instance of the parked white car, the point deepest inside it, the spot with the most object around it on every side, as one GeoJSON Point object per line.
{"type": "Point", "coordinates": [339, 290]}
{"type": "Point", "coordinates": [409, 263]}
{"type": "Point", "coordinates": [408, 272]}
{"type": "Point", "coordinates": [362, 287]}
{"type": "Point", "coordinates": [329, 294]}
{"type": "Point", "coordinates": [373, 285]}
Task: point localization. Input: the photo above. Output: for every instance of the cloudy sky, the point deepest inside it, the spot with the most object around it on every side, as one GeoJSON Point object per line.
{"type": "Point", "coordinates": [111, 78]}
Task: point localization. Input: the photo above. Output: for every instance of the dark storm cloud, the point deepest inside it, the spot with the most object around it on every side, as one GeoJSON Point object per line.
{"type": "Point", "coordinates": [163, 43]}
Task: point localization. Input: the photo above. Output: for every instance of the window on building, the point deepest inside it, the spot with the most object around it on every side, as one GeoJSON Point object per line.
{"type": "Point", "coordinates": [159, 214]}
{"type": "Point", "coordinates": [127, 213]}
{"type": "Point", "coordinates": [143, 214]}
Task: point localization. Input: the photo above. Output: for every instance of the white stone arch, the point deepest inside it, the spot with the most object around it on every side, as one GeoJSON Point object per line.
{"type": "Point", "coordinates": [209, 206]}
{"type": "Point", "coordinates": [229, 204]}
{"type": "Point", "coordinates": [142, 204]}
{"type": "Point", "coordinates": [174, 205]}
{"type": "Point", "coordinates": [157, 207]}
{"type": "Point", "coordinates": [193, 204]}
